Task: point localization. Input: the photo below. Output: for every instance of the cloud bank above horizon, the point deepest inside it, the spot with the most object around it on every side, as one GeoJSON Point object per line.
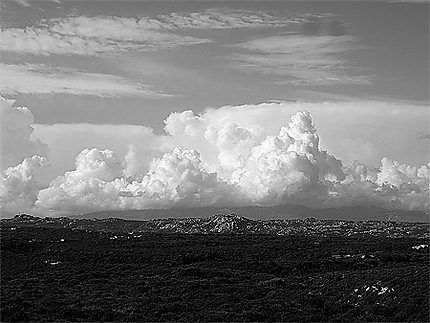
{"type": "Point", "coordinates": [266, 154]}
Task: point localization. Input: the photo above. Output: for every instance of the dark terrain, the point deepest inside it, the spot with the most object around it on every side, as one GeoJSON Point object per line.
{"type": "Point", "coordinates": [114, 270]}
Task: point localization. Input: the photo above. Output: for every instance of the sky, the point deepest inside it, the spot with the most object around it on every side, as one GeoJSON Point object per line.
{"type": "Point", "coordinates": [118, 105]}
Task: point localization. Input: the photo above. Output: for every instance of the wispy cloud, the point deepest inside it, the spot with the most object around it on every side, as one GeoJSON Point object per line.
{"type": "Point", "coordinates": [27, 3]}
{"type": "Point", "coordinates": [102, 35]}
{"type": "Point", "coordinates": [90, 36]}
{"type": "Point", "coordinates": [412, 1]}
{"type": "Point", "coordinates": [219, 18]}
{"type": "Point", "coordinates": [42, 79]}
{"type": "Point", "coordinates": [300, 59]}
{"type": "Point", "coordinates": [23, 3]}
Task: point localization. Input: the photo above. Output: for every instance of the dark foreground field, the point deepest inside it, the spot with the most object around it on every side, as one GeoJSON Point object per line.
{"type": "Point", "coordinates": [74, 275]}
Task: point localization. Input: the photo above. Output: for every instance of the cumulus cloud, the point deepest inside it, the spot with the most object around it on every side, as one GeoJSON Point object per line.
{"type": "Point", "coordinates": [38, 78]}
{"type": "Point", "coordinates": [175, 179]}
{"type": "Point", "coordinates": [16, 127]}
{"type": "Point", "coordinates": [94, 184]}
{"type": "Point", "coordinates": [286, 168]}
{"type": "Point", "coordinates": [392, 185]}
{"type": "Point", "coordinates": [178, 178]}
{"type": "Point", "coordinates": [300, 59]}
{"type": "Point", "coordinates": [279, 167]}
{"type": "Point", "coordinates": [137, 144]}
{"type": "Point", "coordinates": [268, 154]}
{"type": "Point", "coordinates": [348, 129]}
{"type": "Point", "coordinates": [19, 185]}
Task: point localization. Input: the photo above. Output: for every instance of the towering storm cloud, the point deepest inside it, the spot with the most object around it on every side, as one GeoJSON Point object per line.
{"type": "Point", "coordinates": [216, 158]}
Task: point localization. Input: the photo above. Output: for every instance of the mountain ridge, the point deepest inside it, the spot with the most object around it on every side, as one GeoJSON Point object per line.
{"type": "Point", "coordinates": [227, 224]}
{"type": "Point", "coordinates": [292, 212]}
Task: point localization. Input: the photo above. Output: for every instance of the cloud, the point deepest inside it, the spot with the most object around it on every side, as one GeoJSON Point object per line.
{"type": "Point", "coordinates": [38, 78]}
{"type": "Point", "coordinates": [23, 3]}
{"type": "Point", "coordinates": [411, 1]}
{"type": "Point", "coordinates": [19, 185]}
{"type": "Point", "coordinates": [392, 186]}
{"type": "Point", "coordinates": [66, 141]}
{"type": "Point", "coordinates": [348, 129]}
{"type": "Point", "coordinates": [16, 129]}
{"type": "Point", "coordinates": [322, 25]}
{"type": "Point", "coordinates": [27, 3]}
{"type": "Point", "coordinates": [107, 35]}
{"type": "Point", "coordinates": [219, 18]}
{"type": "Point", "coordinates": [94, 184]}
{"type": "Point", "coordinates": [92, 36]}
{"type": "Point", "coordinates": [281, 167]}
{"type": "Point", "coordinates": [300, 59]}
{"type": "Point", "coordinates": [267, 154]}
{"type": "Point", "coordinates": [288, 166]}
{"type": "Point", "coordinates": [178, 178]}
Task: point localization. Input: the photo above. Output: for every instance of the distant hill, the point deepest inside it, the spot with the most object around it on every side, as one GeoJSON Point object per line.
{"type": "Point", "coordinates": [356, 213]}
{"type": "Point", "coordinates": [227, 224]}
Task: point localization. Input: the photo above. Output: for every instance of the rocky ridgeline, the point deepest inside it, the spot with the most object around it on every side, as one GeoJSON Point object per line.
{"type": "Point", "coordinates": [229, 224]}
{"type": "Point", "coordinates": [220, 223]}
